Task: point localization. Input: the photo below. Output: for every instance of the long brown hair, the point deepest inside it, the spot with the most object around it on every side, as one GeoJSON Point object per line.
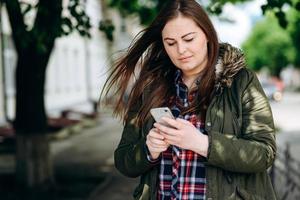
{"type": "Point", "coordinates": [147, 55]}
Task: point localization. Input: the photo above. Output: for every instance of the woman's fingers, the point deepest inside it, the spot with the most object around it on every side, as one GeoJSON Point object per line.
{"type": "Point", "coordinates": [156, 149]}
{"type": "Point", "coordinates": [154, 133]}
{"type": "Point", "coordinates": [183, 121]}
{"type": "Point", "coordinates": [158, 143]}
{"type": "Point", "coordinates": [170, 134]}
{"type": "Point", "coordinates": [176, 123]}
{"type": "Point", "coordinates": [170, 139]}
{"type": "Point", "coordinates": [171, 122]}
{"type": "Point", "coordinates": [165, 129]}
{"type": "Point", "coordinates": [156, 139]}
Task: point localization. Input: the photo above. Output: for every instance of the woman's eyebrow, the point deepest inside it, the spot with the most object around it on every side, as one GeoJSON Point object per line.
{"type": "Point", "coordinates": [168, 38]}
{"type": "Point", "coordinates": [188, 34]}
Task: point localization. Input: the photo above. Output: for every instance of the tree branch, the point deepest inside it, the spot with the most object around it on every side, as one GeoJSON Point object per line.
{"type": "Point", "coordinates": [16, 19]}
{"type": "Point", "coordinates": [47, 24]}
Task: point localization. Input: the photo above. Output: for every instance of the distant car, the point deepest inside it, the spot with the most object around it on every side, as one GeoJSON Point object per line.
{"type": "Point", "coordinates": [272, 91]}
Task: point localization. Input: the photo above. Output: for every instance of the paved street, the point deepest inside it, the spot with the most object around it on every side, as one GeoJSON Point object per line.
{"type": "Point", "coordinates": [287, 112]}
{"type": "Point", "coordinates": [95, 147]}
{"type": "Point", "coordinates": [119, 188]}
{"type": "Point", "coordinates": [287, 118]}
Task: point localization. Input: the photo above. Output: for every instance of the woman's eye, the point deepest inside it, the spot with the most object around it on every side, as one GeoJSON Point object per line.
{"type": "Point", "coordinates": [189, 40]}
{"type": "Point", "coordinates": [170, 44]}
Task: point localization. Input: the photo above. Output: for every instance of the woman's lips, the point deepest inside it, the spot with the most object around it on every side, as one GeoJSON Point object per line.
{"type": "Point", "coordinates": [183, 59]}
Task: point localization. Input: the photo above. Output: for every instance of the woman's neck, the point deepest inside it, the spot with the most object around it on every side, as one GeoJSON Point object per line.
{"type": "Point", "coordinates": [190, 80]}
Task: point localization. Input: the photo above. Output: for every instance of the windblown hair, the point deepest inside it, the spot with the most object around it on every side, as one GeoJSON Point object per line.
{"type": "Point", "coordinates": [147, 56]}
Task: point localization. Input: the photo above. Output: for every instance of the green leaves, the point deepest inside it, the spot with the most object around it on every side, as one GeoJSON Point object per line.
{"type": "Point", "coordinates": [269, 46]}
{"type": "Point", "coordinates": [66, 26]}
{"type": "Point", "coordinates": [276, 6]}
{"type": "Point", "coordinates": [146, 10]}
{"type": "Point", "coordinates": [281, 18]}
{"type": "Point", "coordinates": [294, 31]}
{"type": "Point", "coordinates": [77, 20]}
{"type": "Point", "coordinates": [108, 28]}
{"type": "Point", "coordinates": [215, 8]}
{"type": "Point", "coordinates": [26, 7]}
{"type": "Point", "coordinates": [297, 6]}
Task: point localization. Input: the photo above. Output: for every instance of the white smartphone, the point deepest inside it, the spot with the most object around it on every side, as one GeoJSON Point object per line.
{"type": "Point", "coordinates": [158, 113]}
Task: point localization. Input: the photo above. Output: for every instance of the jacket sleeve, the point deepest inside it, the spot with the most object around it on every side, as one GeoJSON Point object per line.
{"type": "Point", "coordinates": [130, 156]}
{"type": "Point", "coordinates": [254, 150]}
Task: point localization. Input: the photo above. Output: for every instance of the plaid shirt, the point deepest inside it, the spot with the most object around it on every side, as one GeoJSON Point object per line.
{"type": "Point", "coordinates": [182, 173]}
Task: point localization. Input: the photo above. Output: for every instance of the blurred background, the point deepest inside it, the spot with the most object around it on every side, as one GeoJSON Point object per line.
{"type": "Point", "coordinates": [55, 142]}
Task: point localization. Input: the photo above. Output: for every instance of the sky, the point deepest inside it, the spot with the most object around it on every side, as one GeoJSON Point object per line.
{"type": "Point", "coordinates": [244, 16]}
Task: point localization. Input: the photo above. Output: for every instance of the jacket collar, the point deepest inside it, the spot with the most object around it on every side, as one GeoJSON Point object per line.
{"type": "Point", "coordinates": [231, 60]}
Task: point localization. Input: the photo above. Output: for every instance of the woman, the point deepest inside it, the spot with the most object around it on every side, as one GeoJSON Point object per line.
{"type": "Point", "coordinates": [222, 141]}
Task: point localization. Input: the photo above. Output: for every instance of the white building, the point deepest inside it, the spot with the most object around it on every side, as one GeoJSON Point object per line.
{"type": "Point", "coordinates": [77, 66]}
{"type": "Point", "coordinates": [76, 70]}
{"type": "Point", "coordinates": [2, 110]}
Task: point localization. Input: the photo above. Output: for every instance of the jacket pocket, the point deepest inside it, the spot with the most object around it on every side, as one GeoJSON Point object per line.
{"type": "Point", "coordinates": [245, 195]}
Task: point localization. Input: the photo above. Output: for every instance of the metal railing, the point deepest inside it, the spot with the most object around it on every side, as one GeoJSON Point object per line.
{"type": "Point", "coordinates": [285, 175]}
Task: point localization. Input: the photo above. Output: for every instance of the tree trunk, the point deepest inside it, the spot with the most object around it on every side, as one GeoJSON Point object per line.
{"type": "Point", "coordinates": [34, 165]}
{"type": "Point", "coordinates": [33, 162]}
{"type": "Point", "coordinates": [30, 80]}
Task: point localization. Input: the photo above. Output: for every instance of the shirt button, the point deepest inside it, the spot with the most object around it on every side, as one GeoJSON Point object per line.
{"type": "Point", "coordinates": [208, 123]}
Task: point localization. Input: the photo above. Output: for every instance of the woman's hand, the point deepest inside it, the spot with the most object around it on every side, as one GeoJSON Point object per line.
{"type": "Point", "coordinates": [155, 143]}
{"type": "Point", "coordinates": [183, 134]}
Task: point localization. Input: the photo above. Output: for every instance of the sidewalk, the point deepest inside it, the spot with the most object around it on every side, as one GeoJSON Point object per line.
{"type": "Point", "coordinates": [83, 164]}
{"type": "Point", "coordinates": [93, 149]}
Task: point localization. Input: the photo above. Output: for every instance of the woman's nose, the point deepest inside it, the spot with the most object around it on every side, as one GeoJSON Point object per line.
{"type": "Point", "coordinates": [181, 48]}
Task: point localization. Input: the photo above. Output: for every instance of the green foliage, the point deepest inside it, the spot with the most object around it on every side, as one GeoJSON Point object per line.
{"type": "Point", "coordinates": [275, 6]}
{"type": "Point", "coordinates": [108, 28]}
{"type": "Point", "coordinates": [26, 7]}
{"type": "Point", "coordinates": [216, 6]}
{"type": "Point", "coordinates": [269, 46]}
{"type": "Point", "coordinates": [76, 20]}
{"type": "Point", "coordinates": [294, 30]}
{"type": "Point", "coordinates": [146, 10]}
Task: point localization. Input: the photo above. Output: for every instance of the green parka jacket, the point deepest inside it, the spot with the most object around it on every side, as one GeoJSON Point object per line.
{"type": "Point", "coordinates": [241, 136]}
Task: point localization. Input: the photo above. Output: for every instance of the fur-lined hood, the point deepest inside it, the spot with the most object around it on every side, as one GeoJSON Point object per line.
{"type": "Point", "coordinates": [231, 60]}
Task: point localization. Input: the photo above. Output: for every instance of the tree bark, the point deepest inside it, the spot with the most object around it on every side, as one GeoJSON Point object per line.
{"type": "Point", "coordinates": [30, 80]}
{"type": "Point", "coordinates": [34, 163]}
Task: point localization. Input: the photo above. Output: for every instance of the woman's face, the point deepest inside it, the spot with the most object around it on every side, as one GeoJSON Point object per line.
{"type": "Point", "coordinates": [185, 44]}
